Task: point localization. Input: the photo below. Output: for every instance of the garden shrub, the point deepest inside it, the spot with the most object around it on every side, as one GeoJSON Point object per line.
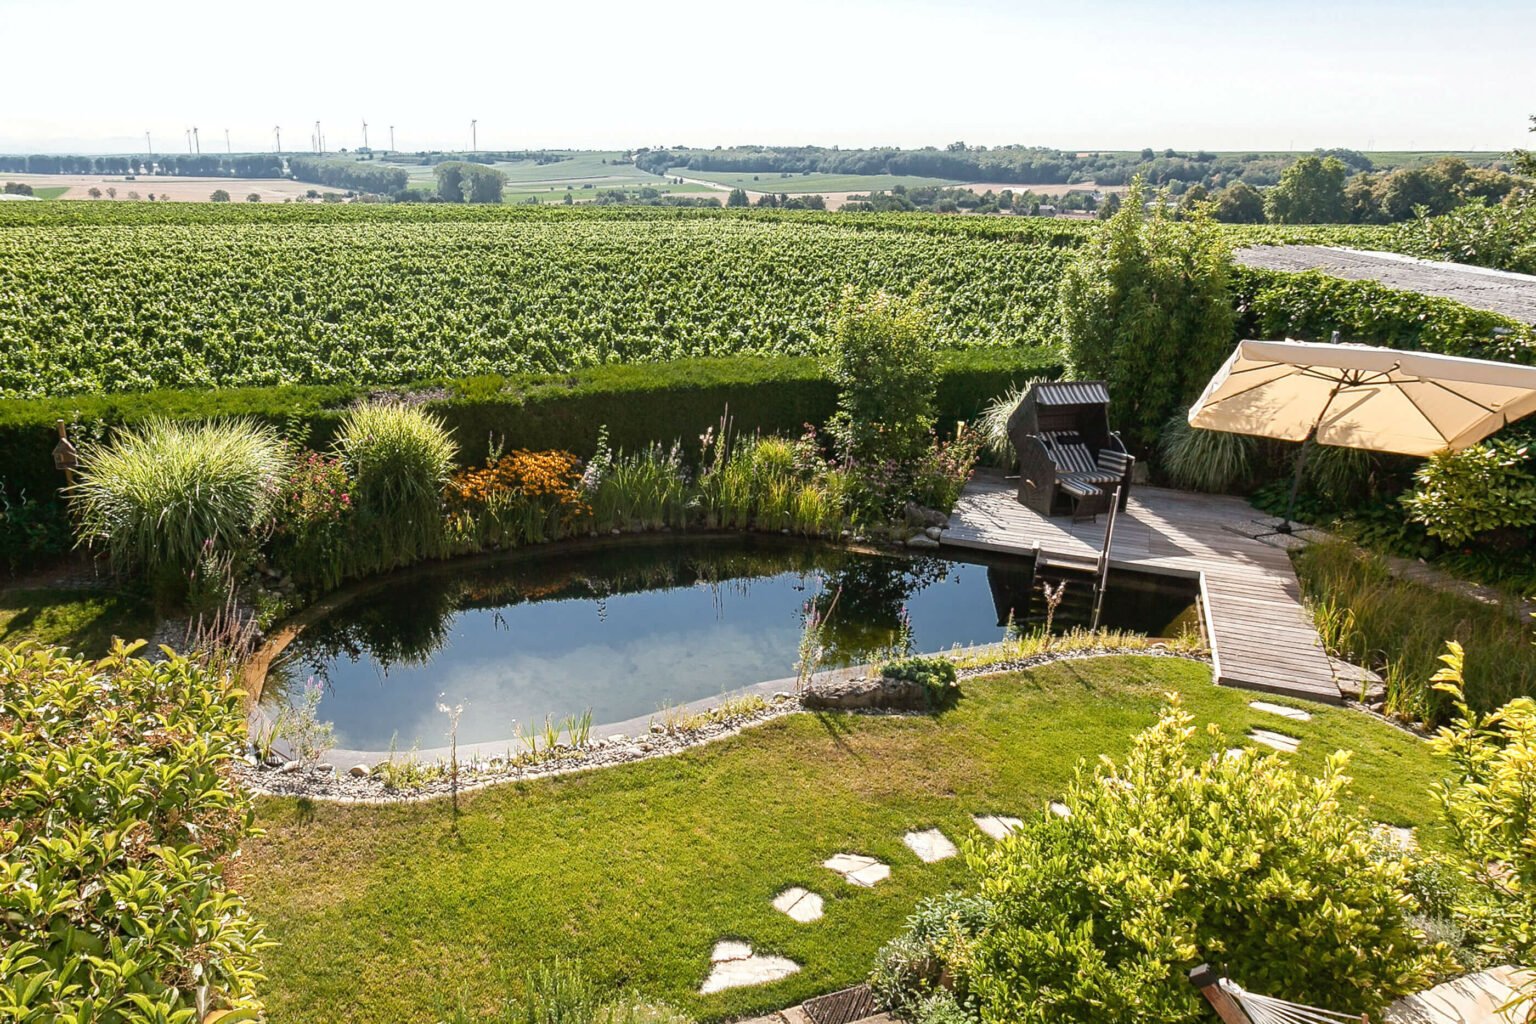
{"type": "Point", "coordinates": [1147, 307]}
{"type": "Point", "coordinates": [937, 676]}
{"type": "Point", "coordinates": [1489, 803]}
{"type": "Point", "coordinates": [311, 535]}
{"type": "Point", "coordinates": [882, 359]}
{"type": "Point", "coordinates": [161, 495]}
{"type": "Point", "coordinates": [119, 815]}
{"type": "Point", "coordinates": [1205, 460]}
{"type": "Point", "coordinates": [400, 458]}
{"type": "Point", "coordinates": [1481, 489]}
{"type": "Point", "coordinates": [1178, 855]}
{"type": "Point", "coordinates": [31, 531]}
{"type": "Point", "coordinates": [910, 969]}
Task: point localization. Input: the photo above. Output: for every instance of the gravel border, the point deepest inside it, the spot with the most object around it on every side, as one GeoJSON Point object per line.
{"type": "Point", "coordinates": [325, 782]}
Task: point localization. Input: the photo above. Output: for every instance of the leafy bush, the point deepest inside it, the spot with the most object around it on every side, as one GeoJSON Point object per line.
{"type": "Point", "coordinates": [400, 458]}
{"type": "Point", "coordinates": [1148, 308]}
{"type": "Point", "coordinates": [1177, 855]}
{"type": "Point", "coordinates": [31, 531]}
{"type": "Point", "coordinates": [1487, 487]}
{"type": "Point", "coordinates": [522, 497]}
{"type": "Point", "coordinates": [937, 676]}
{"type": "Point", "coordinates": [1502, 236]}
{"type": "Point", "coordinates": [909, 970]}
{"type": "Point", "coordinates": [119, 816]}
{"type": "Point", "coordinates": [312, 515]}
{"type": "Point", "coordinates": [159, 495]}
{"type": "Point", "coordinates": [558, 992]}
{"type": "Point", "coordinates": [939, 477]}
{"type": "Point", "coordinates": [1205, 460]}
{"type": "Point", "coordinates": [882, 359]}
{"type": "Point", "coordinates": [1490, 807]}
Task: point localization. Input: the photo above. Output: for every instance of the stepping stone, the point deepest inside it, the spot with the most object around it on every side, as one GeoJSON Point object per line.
{"type": "Point", "coordinates": [1233, 753]}
{"type": "Point", "coordinates": [1060, 809]}
{"type": "Point", "coordinates": [858, 869]}
{"type": "Point", "coordinates": [1395, 835]}
{"type": "Point", "coordinates": [997, 826]}
{"type": "Point", "coordinates": [800, 904]}
{"type": "Point", "coordinates": [734, 965]}
{"type": "Point", "coordinates": [1275, 740]}
{"type": "Point", "coordinates": [931, 845]}
{"type": "Point", "coordinates": [1294, 714]}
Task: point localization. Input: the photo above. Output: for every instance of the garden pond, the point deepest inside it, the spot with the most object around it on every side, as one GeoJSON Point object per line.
{"type": "Point", "coordinates": [626, 630]}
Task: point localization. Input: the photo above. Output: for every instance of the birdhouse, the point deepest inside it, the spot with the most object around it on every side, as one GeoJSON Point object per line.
{"type": "Point", "coordinates": [65, 458]}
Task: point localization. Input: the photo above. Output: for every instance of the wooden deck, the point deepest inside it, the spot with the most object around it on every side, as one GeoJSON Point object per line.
{"type": "Point", "coordinates": [1262, 637]}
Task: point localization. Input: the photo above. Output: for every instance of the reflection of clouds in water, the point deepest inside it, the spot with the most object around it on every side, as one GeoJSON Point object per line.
{"type": "Point", "coordinates": [617, 681]}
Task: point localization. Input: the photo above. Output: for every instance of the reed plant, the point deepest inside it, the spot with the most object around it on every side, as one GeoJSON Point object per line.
{"type": "Point", "coordinates": [992, 425]}
{"type": "Point", "coordinates": [1399, 627]}
{"type": "Point", "coordinates": [400, 458]}
{"type": "Point", "coordinates": [1205, 460]}
{"type": "Point", "coordinates": [160, 495]}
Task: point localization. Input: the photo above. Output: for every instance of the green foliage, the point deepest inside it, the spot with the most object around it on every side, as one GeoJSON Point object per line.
{"type": "Point", "coordinates": [1489, 803]}
{"type": "Point", "coordinates": [937, 676]}
{"type": "Point", "coordinates": [1239, 203]}
{"type": "Point", "coordinates": [881, 357]}
{"type": "Point", "coordinates": [311, 538]}
{"type": "Point", "coordinates": [1147, 307]}
{"type": "Point", "coordinates": [352, 175]}
{"type": "Point", "coordinates": [1487, 487]}
{"type": "Point", "coordinates": [1205, 460]}
{"type": "Point", "coordinates": [559, 992]}
{"type": "Point", "coordinates": [120, 815]}
{"type": "Point", "coordinates": [992, 425]}
{"type": "Point", "coordinates": [1396, 627]}
{"type": "Point", "coordinates": [466, 182]}
{"type": "Point", "coordinates": [400, 458]}
{"type": "Point", "coordinates": [1174, 856]}
{"type": "Point", "coordinates": [31, 531]}
{"type": "Point", "coordinates": [160, 495]}
{"type": "Point", "coordinates": [909, 969]}
{"type": "Point", "coordinates": [1311, 306]}
{"type": "Point", "coordinates": [1311, 191]}
{"type": "Point", "coordinates": [269, 294]}
{"type": "Point", "coordinates": [1502, 235]}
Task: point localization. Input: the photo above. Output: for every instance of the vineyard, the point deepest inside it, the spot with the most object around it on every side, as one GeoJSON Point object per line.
{"type": "Point", "coordinates": [127, 297]}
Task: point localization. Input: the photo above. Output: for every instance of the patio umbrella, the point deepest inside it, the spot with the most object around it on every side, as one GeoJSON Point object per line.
{"type": "Point", "coordinates": [1357, 396]}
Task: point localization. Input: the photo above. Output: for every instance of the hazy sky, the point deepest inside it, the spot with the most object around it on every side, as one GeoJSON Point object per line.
{"type": "Point", "coordinates": [91, 75]}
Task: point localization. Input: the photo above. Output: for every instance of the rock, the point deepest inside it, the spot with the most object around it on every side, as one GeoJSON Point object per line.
{"type": "Point", "coordinates": [358, 771]}
{"type": "Point", "coordinates": [734, 964]}
{"type": "Point", "coordinates": [930, 845]}
{"type": "Point", "coordinates": [657, 727]}
{"type": "Point", "coordinates": [933, 532]}
{"type": "Point", "coordinates": [618, 738]}
{"type": "Point", "coordinates": [325, 768]}
{"type": "Point", "coordinates": [289, 767]}
{"type": "Point", "coordinates": [858, 869]}
{"type": "Point", "coordinates": [870, 692]}
{"type": "Point", "coordinates": [781, 696]}
{"type": "Point", "coordinates": [998, 826]}
{"type": "Point", "coordinates": [923, 541]}
{"type": "Point", "coordinates": [274, 761]}
{"type": "Point", "coordinates": [801, 905]}
{"type": "Point", "coordinates": [917, 515]}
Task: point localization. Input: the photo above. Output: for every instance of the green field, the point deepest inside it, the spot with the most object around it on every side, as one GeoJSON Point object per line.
{"type": "Point", "coordinates": [400, 914]}
{"type": "Point", "coordinates": [121, 297]}
{"type": "Point", "coordinates": [582, 173]}
{"type": "Point", "coordinates": [49, 191]}
{"type": "Point", "coordinates": [770, 181]}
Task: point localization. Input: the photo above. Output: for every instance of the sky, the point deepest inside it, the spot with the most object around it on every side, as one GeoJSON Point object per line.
{"type": "Point", "coordinates": [92, 76]}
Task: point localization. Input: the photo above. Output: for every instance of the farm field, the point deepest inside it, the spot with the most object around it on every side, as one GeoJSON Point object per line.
{"type": "Point", "coordinates": [124, 297]}
{"type": "Point", "coordinates": [582, 174]}
{"type": "Point", "coordinates": [796, 184]}
{"type": "Point", "coordinates": [175, 187]}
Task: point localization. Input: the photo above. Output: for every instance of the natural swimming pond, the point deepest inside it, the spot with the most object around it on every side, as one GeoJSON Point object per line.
{"type": "Point", "coordinates": [629, 629]}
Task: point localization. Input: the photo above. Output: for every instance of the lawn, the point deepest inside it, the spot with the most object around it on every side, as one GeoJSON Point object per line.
{"type": "Point", "coordinates": [391, 914]}
{"type": "Point", "coordinates": [83, 621]}
{"type": "Point", "coordinates": [50, 191]}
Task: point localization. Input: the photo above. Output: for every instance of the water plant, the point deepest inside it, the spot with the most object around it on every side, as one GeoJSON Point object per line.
{"type": "Point", "coordinates": [299, 724]}
{"type": "Point", "coordinates": [400, 458]}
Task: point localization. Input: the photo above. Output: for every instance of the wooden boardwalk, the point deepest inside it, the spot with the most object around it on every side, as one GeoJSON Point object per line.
{"type": "Point", "coordinates": [1262, 637]}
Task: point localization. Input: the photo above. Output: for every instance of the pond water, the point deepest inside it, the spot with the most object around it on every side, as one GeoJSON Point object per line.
{"type": "Point", "coordinates": [628, 630]}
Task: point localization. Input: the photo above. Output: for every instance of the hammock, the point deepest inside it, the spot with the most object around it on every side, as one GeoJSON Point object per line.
{"type": "Point", "coordinates": [1269, 1010]}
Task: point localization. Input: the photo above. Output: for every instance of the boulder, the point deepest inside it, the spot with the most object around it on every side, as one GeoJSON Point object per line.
{"type": "Point", "coordinates": [870, 692]}
{"type": "Point", "coordinates": [917, 515]}
{"type": "Point", "coordinates": [922, 541]}
{"type": "Point", "coordinates": [358, 771]}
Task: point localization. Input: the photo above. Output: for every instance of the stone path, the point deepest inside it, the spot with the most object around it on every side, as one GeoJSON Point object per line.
{"type": "Point", "coordinates": [1513, 295]}
{"type": "Point", "coordinates": [733, 964]}
{"type": "Point", "coordinates": [801, 905]}
{"type": "Point", "coordinates": [1294, 714]}
{"type": "Point", "coordinates": [930, 846]}
{"type": "Point", "coordinates": [997, 826]}
{"type": "Point", "coordinates": [1275, 740]}
{"type": "Point", "coordinates": [858, 869]}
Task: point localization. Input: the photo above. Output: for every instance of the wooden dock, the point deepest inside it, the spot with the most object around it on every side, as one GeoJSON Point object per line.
{"type": "Point", "coordinates": [1262, 637]}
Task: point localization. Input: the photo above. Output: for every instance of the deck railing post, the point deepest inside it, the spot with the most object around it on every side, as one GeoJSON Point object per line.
{"type": "Point", "coordinates": [1102, 573]}
{"type": "Point", "coordinates": [1208, 982]}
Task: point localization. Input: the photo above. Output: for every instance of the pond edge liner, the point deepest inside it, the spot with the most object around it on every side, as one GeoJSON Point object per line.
{"type": "Point", "coordinates": [327, 787]}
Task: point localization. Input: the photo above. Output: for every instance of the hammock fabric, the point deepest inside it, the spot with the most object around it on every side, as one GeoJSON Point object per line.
{"type": "Point", "coordinates": [1268, 1010]}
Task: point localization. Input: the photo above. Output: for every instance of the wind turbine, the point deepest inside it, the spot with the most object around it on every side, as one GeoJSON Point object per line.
{"type": "Point", "coordinates": [365, 134]}
{"type": "Point", "coordinates": [226, 141]}
{"type": "Point", "coordinates": [391, 138]}
{"type": "Point", "coordinates": [197, 141]}
{"type": "Point", "coordinates": [474, 141]}
{"type": "Point", "coordinates": [277, 132]}
{"type": "Point", "coordinates": [189, 141]}
{"type": "Point", "coordinates": [319, 142]}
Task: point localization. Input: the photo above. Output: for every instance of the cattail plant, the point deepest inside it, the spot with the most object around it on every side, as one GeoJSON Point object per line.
{"type": "Point", "coordinates": [453, 712]}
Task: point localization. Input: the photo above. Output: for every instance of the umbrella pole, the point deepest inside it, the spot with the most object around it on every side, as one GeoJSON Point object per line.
{"type": "Point", "coordinates": [1301, 466]}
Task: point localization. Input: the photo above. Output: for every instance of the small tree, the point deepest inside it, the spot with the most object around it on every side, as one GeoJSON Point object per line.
{"type": "Point", "coordinates": [738, 197]}
{"type": "Point", "coordinates": [254, 197]}
{"type": "Point", "coordinates": [1311, 191]}
{"type": "Point", "coordinates": [1239, 203]}
{"type": "Point", "coordinates": [1147, 308]}
{"type": "Point", "coordinates": [219, 196]}
{"type": "Point", "coordinates": [882, 359]}
{"type": "Point", "coordinates": [111, 193]}
{"type": "Point", "coordinates": [94, 192]}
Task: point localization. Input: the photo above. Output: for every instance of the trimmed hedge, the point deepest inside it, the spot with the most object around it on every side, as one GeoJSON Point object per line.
{"type": "Point", "coordinates": [638, 404]}
{"type": "Point", "coordinates": [1310, 306]}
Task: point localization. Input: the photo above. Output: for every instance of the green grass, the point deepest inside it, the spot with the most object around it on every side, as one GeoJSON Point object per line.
{"type": "Point", "coordinates": [83, 621]}
{"type": "Point", "coordinates": [773, 181]}
{"type": "Point", "coordinates": [49, 191]}
{"type": "Point", "coordinates": [383, 914]}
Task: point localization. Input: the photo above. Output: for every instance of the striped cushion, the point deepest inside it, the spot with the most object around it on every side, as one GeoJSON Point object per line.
{"type": "Point", "coordinates": [1068, 451]}
{"type": "Point", "coordinates": [1078, 487]}
{"type": "Point", "coordinates": [1112, 461]}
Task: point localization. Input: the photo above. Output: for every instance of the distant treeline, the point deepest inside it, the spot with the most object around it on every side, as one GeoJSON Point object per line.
{"type": "Point", "coordinates": [353, 175]}
{"type": "Point", "coordinates": [201, 165]}
{"type": "Point", "coordinates": [1018, 165]}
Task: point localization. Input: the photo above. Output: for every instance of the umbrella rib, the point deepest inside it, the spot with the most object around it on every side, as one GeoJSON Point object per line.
{"type": "Point", "coordinates": [1458, 394]}
{"type": "Point", "coordinates": [1427, 418]}
{"type": "Point", "coordinates": [1244, 391]}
